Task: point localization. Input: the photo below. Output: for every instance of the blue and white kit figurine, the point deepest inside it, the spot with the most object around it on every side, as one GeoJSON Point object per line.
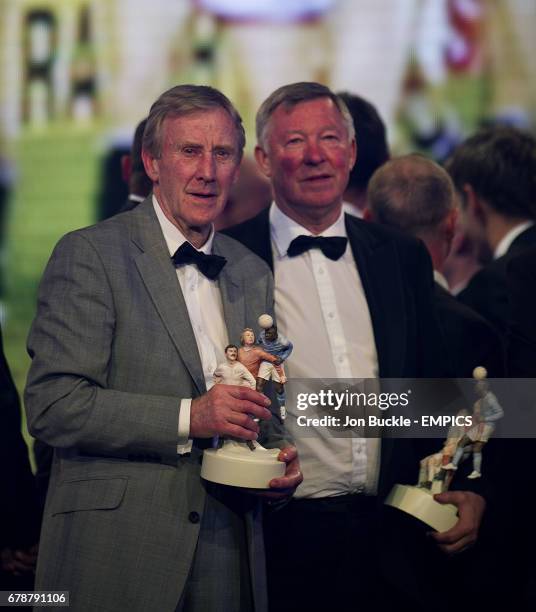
{"type": "Point", "coordinates": [437, 470]}
{"type": "Point", "coordinates": [486, 411]}
{"type": "Point", "coordinates": [274, 343]}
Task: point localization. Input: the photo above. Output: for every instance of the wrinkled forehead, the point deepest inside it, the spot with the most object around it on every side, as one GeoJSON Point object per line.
{"type": "Point", "coordinates": [305, 115]}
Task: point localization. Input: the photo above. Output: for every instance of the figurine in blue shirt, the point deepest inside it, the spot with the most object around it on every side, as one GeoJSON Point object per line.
{"type": "Point", "coordinates": [277, 345]}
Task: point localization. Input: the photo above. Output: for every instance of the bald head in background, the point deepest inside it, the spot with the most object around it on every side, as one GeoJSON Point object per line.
{"type": "Point", "coordinates": [416, 195]}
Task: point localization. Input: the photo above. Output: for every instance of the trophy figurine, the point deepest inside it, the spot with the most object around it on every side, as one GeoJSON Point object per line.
{"type": "Point", "coordinates": [437, 470]}
{"type": "Point", "coordinates": [278, 349]}
{"type": "Point", "coordinates": [235, 462]}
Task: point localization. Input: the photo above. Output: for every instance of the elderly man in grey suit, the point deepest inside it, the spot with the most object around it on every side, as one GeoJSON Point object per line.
{"type": "Point", "coordinates": [133, 316]}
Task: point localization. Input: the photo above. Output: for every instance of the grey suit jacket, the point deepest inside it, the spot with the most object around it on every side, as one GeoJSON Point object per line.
{"type": "Point", "coordinates": [113, 352]}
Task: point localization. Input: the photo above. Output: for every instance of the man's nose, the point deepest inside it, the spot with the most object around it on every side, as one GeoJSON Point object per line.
{"type": "Point", "coordinates": [313, 153]}
{"type": "Point", "coordinates": [206, 169]}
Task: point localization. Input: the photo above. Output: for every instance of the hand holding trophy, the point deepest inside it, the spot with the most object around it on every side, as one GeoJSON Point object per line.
{"type": "Point", "coordinates": [437, 470]}
{"type": "Point", "coordinates": [238, 463]}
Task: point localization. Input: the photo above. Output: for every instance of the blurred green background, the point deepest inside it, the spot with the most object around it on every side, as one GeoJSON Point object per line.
{"type": "Point", "coordinates": [54, 193]}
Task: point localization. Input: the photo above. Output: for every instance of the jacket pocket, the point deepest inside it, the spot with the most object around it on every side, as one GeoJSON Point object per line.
{"type": "Point", "coordinates": [88, 494]}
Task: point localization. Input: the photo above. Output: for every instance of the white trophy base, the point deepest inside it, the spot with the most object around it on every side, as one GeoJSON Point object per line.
{"type": "Point", "coordinates": [236, 465]}
{"type": "Point", "coordinates": [421, 504]}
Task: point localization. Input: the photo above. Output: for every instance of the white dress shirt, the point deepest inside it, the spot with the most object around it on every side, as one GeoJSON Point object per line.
{"type": "Point", "coordinates": [205, 309]}
{"type": "Point", "coordinates": [321, 307]}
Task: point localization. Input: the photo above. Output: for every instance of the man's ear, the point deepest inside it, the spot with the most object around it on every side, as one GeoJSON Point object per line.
{"type": "Point", "coordinates": [473, 204]}
{"type": "Point", "coordinates": [450, 225]}
{"type": "Point", "coordinates": [263, 161]}
{"type": "Point", "coordinates": [150, 164]}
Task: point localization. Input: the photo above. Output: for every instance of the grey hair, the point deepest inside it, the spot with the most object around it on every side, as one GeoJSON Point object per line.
{"type": "Point", "coordinates": [184, 100]}
{"type": "Point", "coordinates": [411, 193]}
{"type": "Point", "coordinates": [291, 95]}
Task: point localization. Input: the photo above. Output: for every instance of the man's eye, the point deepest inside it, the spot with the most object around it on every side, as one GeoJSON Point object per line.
{"type": "Point", "coordinates": [190, 151]}
{"type": "Point", "coordinates": [331, 137]}
{"type": "Point", "coordinates": [294, 141]}
{"type": "Point", "coordinates": [223, 154]}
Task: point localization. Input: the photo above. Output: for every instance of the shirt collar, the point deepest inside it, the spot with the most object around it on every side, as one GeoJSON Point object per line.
{"type": "Point", "coordinates": [173, 236]}
{"type": "Point", "coordinates": [284, 229]}
{"type": "Point", "coordinates": [350, 209]}
{"type": "Point", "coordinates": [509, 237]}
{"type": "Point", "coordinates": [441, 280]}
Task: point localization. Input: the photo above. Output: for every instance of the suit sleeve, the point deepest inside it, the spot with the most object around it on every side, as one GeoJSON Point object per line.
{"type": "Point", "coordinates": [68, 400]}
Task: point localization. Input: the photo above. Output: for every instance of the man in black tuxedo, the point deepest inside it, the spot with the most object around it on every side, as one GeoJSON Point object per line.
{"type": "Point", "coordinates": [495, 173]}
{"type": "Point", "coordinates": [366, 291]}
{"type": "Point", "coordinates": [415, 195]}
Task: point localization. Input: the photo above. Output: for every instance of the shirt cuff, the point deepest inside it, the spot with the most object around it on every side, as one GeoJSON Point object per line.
{"type": "Point", "coordinates": [184, 445]}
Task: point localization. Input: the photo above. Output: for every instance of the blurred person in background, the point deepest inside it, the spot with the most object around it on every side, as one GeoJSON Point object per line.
{"type": "Point", "coordinates": [249, 195]}
{"type": "Point", "coordinates": [373, 151]}
{"type": "Point", "coordinates": [133, 171]}
{"type": "Point", "coordinates": [415, 195]}
{"type": "Point", "coordinates": [6, 182]}
{"type": "Point", "coordinates": [494, 172]}
{"type": "Point", "coordinates": [20, 513]}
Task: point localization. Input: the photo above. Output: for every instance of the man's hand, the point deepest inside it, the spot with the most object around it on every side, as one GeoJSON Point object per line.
{"type": "Point", "coordinates": [287, 484]}
{"type": "Point", "coordinates": [228, 410]}
{"type": "Point", "coordinates": [18, 561]}
{"type": "Point", "coordinates": [464, 534]}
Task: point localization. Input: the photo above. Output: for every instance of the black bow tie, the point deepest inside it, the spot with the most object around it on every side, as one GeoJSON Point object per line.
{"type": "Point", "coordinates": [331, 247]}
{"type": "Point", "coordinates": [209, 265]}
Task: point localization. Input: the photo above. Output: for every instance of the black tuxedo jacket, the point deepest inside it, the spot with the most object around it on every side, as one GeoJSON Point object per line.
{"type": "Point", "coordinates": [487, 291]}
{"type": "Point", "coordinates": [397, 278]}
{"type": "Point", "coordinates": [522, 320]}
{"type": "Point", "coordinates": [471, 341]}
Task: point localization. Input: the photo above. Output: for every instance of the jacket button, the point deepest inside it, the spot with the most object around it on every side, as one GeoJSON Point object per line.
{"type": "Point", "coordinates": [194, 517]}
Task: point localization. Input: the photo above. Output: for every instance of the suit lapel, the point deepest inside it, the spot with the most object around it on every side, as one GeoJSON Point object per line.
{"type": "Point", "coordinates": [377, 263]}
{"type": "Point", "coordinates": [232, 294]}
{"type": "Point", "coordinates": [262, 232]}
{"type": "Point", "coordinates": [160, 279]}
